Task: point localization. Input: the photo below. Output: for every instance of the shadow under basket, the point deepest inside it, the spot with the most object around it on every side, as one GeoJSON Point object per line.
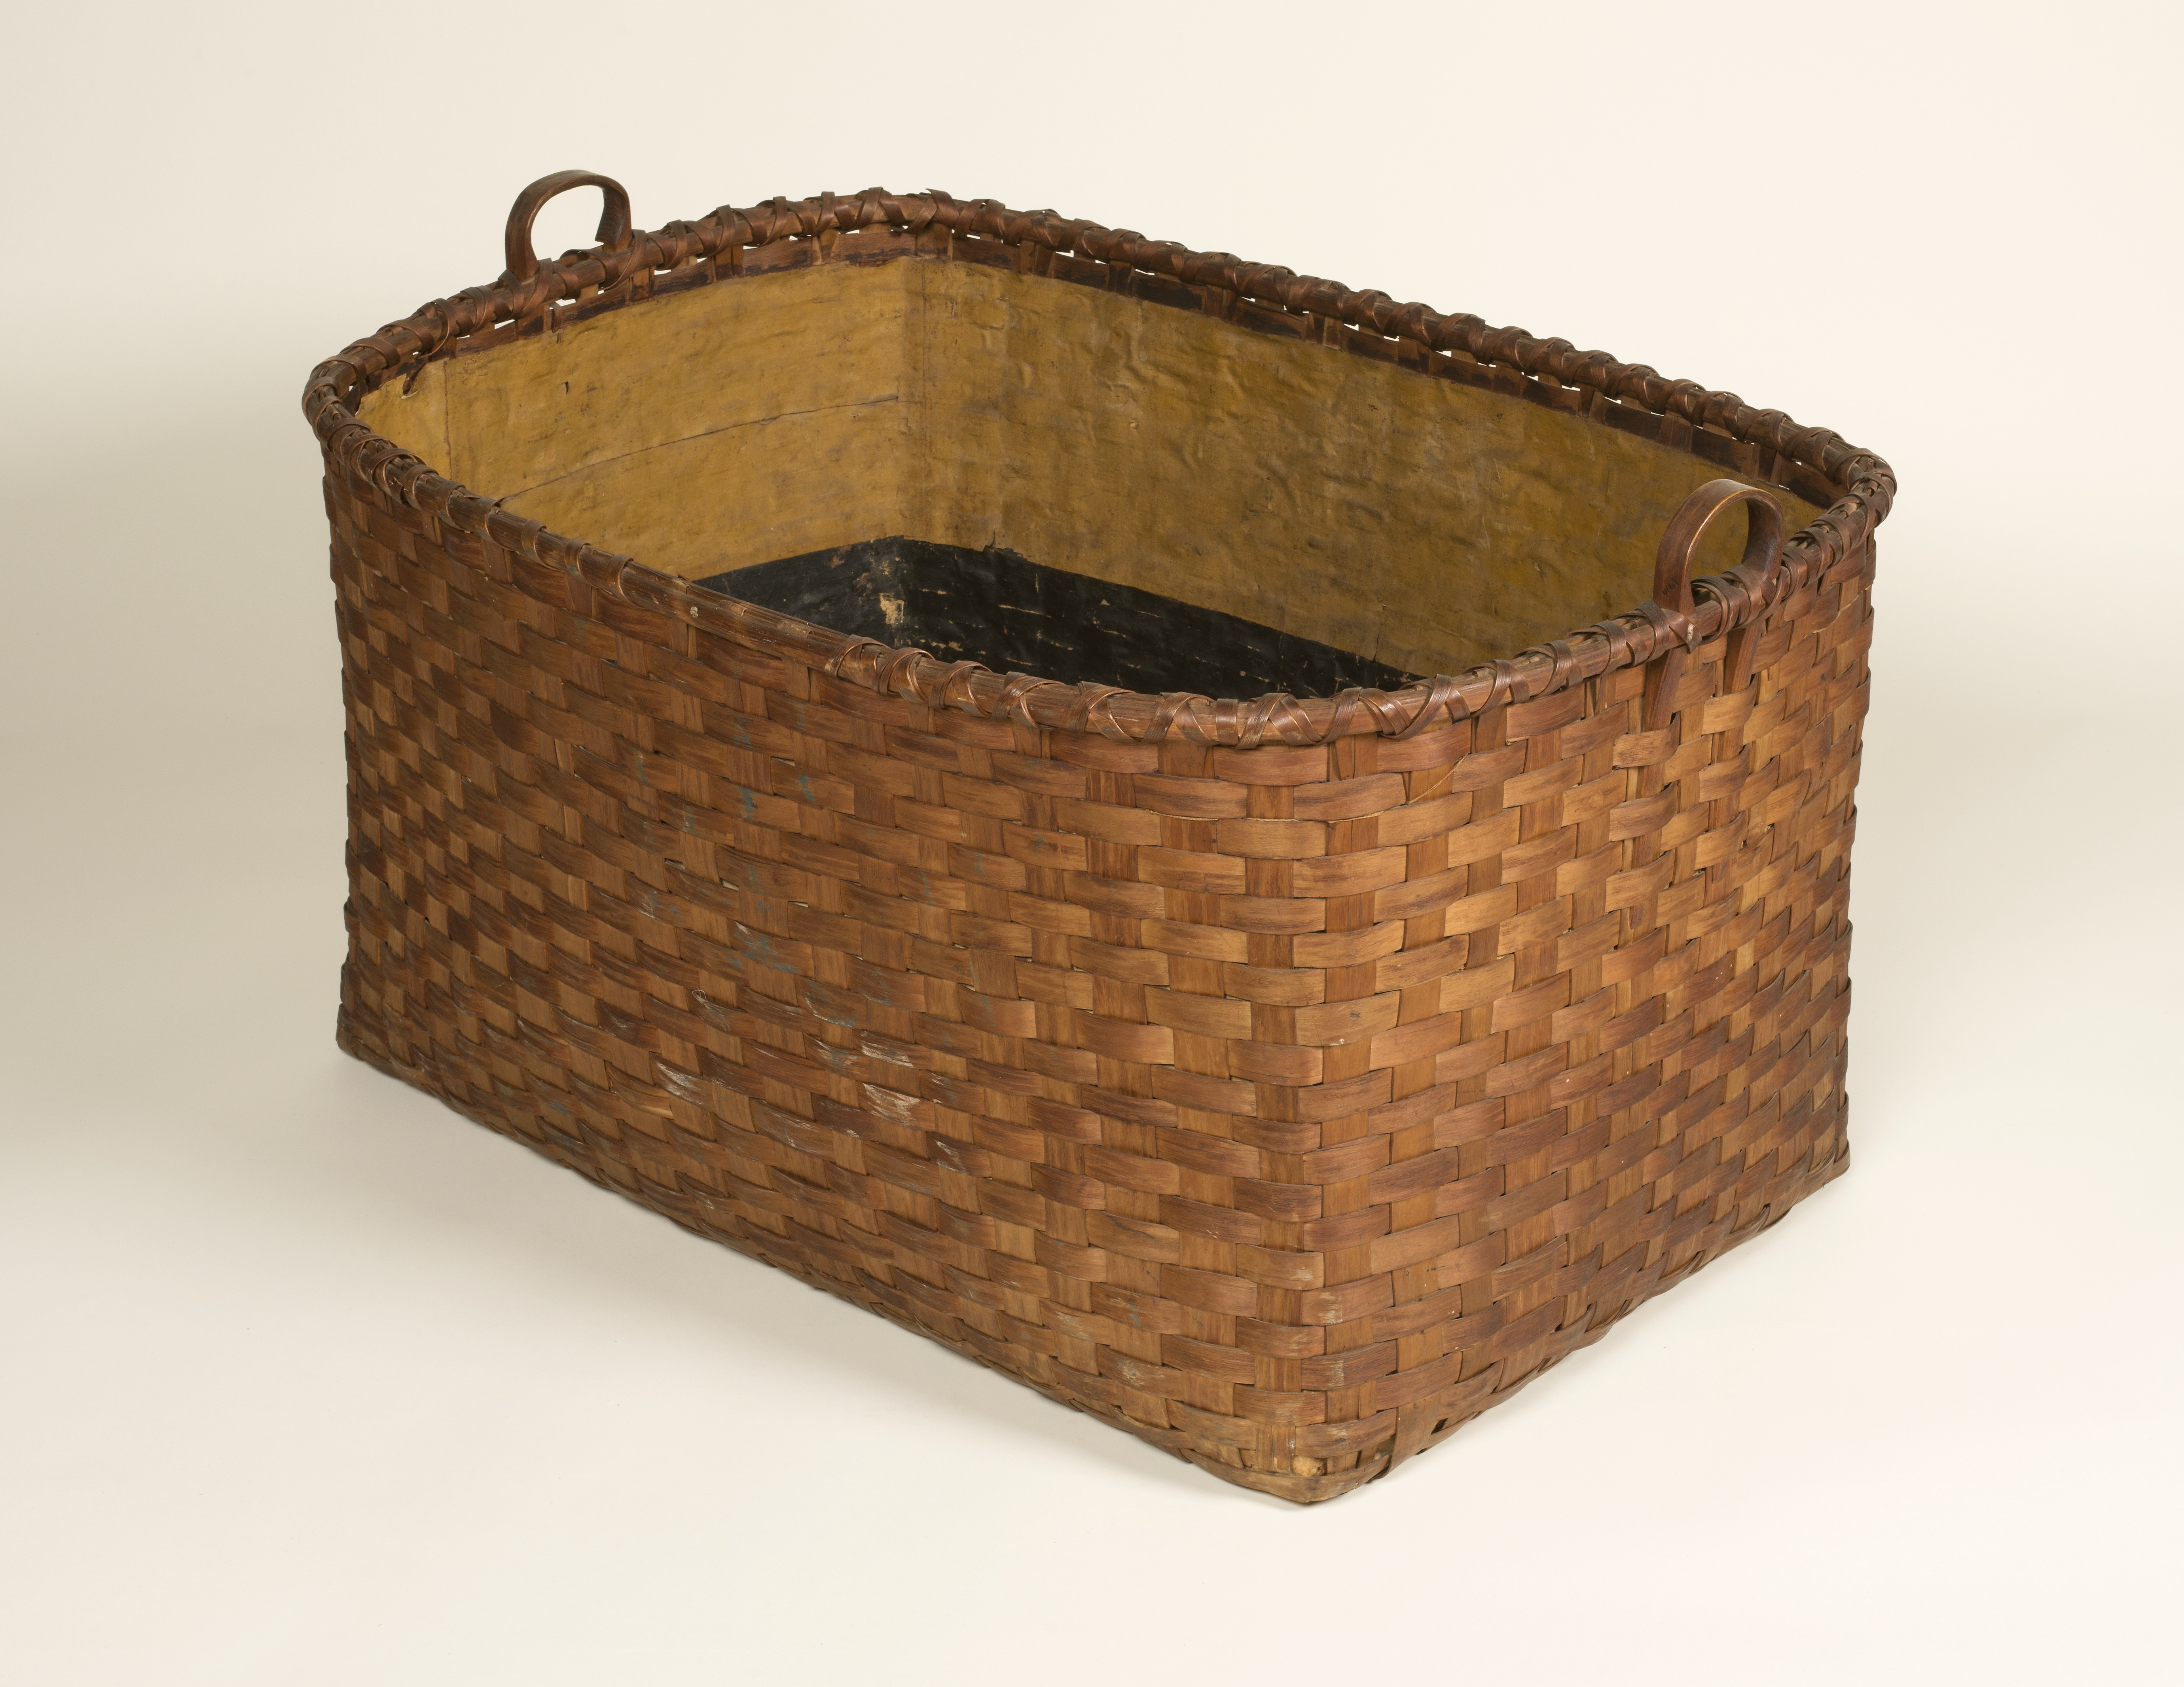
{"type": "Point", "coordinates": [1058, 798]}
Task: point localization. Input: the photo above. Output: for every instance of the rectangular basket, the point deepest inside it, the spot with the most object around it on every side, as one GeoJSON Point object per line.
{"type": "Point", "coordinates": [1312, 994]}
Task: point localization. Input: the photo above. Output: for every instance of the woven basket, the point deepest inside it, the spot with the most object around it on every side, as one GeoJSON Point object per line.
{"type": "Point", "coordinates": [1284, 1081]}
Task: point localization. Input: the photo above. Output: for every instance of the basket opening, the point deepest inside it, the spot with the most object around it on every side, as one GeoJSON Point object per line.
{"type": "Point", "coordinates": [1124, 491]}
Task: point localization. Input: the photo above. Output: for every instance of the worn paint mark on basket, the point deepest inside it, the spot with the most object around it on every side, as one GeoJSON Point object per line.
{"type": "Point", "coordinates": [993, 606]}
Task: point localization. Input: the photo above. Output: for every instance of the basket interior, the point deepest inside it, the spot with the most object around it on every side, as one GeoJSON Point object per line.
{"type": "Point", "coordinates": [1054, 479]}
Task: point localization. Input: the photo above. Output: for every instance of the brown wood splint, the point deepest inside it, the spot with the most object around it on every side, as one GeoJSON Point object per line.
{"type": "Point", "coordinates": [1284, 1078]}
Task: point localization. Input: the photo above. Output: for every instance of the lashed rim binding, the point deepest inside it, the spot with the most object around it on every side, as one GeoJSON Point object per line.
{"type": "Point", "coordinates": [628, 267]}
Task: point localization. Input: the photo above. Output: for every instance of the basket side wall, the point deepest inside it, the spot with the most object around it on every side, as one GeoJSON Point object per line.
{"type": "Point", "coordinates": [1286, 1107]}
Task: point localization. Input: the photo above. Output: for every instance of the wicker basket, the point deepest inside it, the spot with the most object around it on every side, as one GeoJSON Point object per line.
{"type": "Point", "coordinates": [1283, 1080]}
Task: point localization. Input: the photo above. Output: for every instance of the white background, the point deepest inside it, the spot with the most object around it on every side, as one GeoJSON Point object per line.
{"type": "Point", "coordinates": [304, 1380]}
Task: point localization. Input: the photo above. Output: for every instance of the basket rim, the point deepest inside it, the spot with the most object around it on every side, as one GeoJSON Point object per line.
{"type": "Point", "coordinates": [684, 253]}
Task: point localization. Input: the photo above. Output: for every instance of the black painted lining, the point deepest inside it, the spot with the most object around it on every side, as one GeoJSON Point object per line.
{"type": "Point", "coordinates": [1015, 616]}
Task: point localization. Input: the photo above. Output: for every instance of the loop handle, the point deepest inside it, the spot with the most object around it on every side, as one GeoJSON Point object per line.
{"type": "Point", "coordinates": [1672, 600]}
{"type": "Point", "coordinates": [613, 219]}
{"type": "Point", "coordinates": [1679, 540]}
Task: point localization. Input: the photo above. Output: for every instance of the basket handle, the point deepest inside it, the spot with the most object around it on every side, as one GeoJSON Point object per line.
{"type": "Point", "coordinates": [614, 217]}
{"type": "Point", "coordinates": [1671, 583]}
